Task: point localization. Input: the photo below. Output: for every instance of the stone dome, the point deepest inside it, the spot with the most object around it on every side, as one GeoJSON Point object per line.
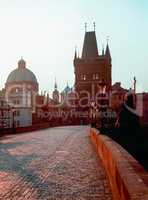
{"type": "Point", "coordinates": [21, 74]}
{"type": "Point", "coordinates": [66, 89]}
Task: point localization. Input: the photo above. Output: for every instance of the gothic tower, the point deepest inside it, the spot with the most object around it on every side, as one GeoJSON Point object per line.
{"type": "Point", "coordinates": [92, 69]}
{"type": "Point", "coordinates": [55, 94]}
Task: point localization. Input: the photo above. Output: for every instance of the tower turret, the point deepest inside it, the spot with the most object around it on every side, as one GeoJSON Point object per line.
{"type": "Point", "coordinates": [107, 52]}
{"type": "Point", "coordinates": [21, 63]}
{"type": "Point", "coordinates": [102, 50]}
{"type": "Point", "coordinates": [91, 68]}
{"type": "Point", "coordinates": [55, 94]}
{"type": "Point", "coordinates": [75, 56]}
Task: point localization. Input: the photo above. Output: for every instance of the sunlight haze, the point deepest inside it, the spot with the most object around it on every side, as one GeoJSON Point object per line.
{"type": "Point", "coordinates": [46, 32]}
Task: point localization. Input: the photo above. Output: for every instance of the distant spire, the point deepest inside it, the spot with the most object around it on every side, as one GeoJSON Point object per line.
{"type": "Point", "coordinates": [107, 52]}
{"type": "Point", "coordinates": [85, 27]}
{"type": "Point", "coordinates": [75, 57]}
{"type": "Point", "coordinates": [55, 85]}
{"type": "Point", "coordinates": [94, 26]}
{"type": "Point", "coordinates": [102, 49]}
{"type": "Point", "coordinates": [55, 93]}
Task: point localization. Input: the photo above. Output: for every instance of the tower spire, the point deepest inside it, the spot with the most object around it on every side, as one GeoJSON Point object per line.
{"type": "Point", "coordinates": [55, 94]}
{"type": "Point", "coordinates": [94, 26]}
{"type": "Point", "coordinates": [55, 85]}
{"type": "Point", "coordinates": [90, 49]}
{"type": "Point", "coordinates": [107, 52]}
{"type": "Point", "coordinates": [75, 57]}
{"type": "Point", "coordinates": [102, 49]}
{"type": "Point", "coordinates": [107, 39]}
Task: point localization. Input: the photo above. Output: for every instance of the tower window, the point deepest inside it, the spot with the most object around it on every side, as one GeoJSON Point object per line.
{"type": "Point", "coordinates": [16, 102]}
{"type": "Point", "coordinates": [16, 113]}
{"type": "Point", "coordinates": [83, 77]}
{"type": "Point", "coordinates": [17, 123]}
{"type": "Point", "coordinates": [95, 76]}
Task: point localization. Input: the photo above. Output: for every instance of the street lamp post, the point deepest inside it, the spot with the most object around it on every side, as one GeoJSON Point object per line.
{"type": "Point", "coordinates": [102, 92]}
{"type": "Point", "coordinates": [93, 112]}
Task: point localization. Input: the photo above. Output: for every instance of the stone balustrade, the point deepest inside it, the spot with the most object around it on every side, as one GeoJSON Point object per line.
{"type": "Point", "coordinates": [128, 179]}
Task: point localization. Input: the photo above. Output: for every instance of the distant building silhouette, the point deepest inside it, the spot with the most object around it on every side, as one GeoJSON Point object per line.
{"type": "Point", "coordinates": [55, 94]}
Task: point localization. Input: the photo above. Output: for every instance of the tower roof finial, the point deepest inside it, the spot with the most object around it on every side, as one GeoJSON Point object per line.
{"type": "Point", "coordinates": [21, 63]}
{"type": "Point", "coordinates": [107, 39]}
{"type": "Point", "coordinates": [94, 26]}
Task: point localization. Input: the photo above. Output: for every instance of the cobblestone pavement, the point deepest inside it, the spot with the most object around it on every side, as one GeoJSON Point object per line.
{"type": "Point", "coordinates": [53, 164]}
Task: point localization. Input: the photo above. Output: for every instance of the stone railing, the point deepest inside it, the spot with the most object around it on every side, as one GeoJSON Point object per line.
{"type": "Point", "coordinates": [128, 179]}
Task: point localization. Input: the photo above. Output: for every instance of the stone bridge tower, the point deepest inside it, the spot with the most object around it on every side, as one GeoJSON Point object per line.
{"type": "Point", "coordinates": [92, 69]}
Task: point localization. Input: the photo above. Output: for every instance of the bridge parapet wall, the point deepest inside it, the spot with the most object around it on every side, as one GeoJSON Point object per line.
{"type": "Point", "coordinates": [128, 179]}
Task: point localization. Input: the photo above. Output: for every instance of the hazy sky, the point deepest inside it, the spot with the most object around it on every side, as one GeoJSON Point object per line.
{"type": "Point", "coordinates": [45, 33]}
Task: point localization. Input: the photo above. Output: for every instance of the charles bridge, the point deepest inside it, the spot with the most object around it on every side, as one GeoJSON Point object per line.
{"type": "Point", "coordinates": [68, 163]}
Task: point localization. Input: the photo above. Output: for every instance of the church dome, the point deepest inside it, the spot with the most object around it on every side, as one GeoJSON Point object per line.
{"type": "Point", "coordinates": [21, 74]}
{"type": "Point", "coordinates": [66, 89]}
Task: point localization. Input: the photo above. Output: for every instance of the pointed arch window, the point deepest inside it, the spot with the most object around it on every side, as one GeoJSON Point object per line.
{"type": "Point", "coordinates": [83, 77]}
{"type": "Point", "coordinates": [95, 76]}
